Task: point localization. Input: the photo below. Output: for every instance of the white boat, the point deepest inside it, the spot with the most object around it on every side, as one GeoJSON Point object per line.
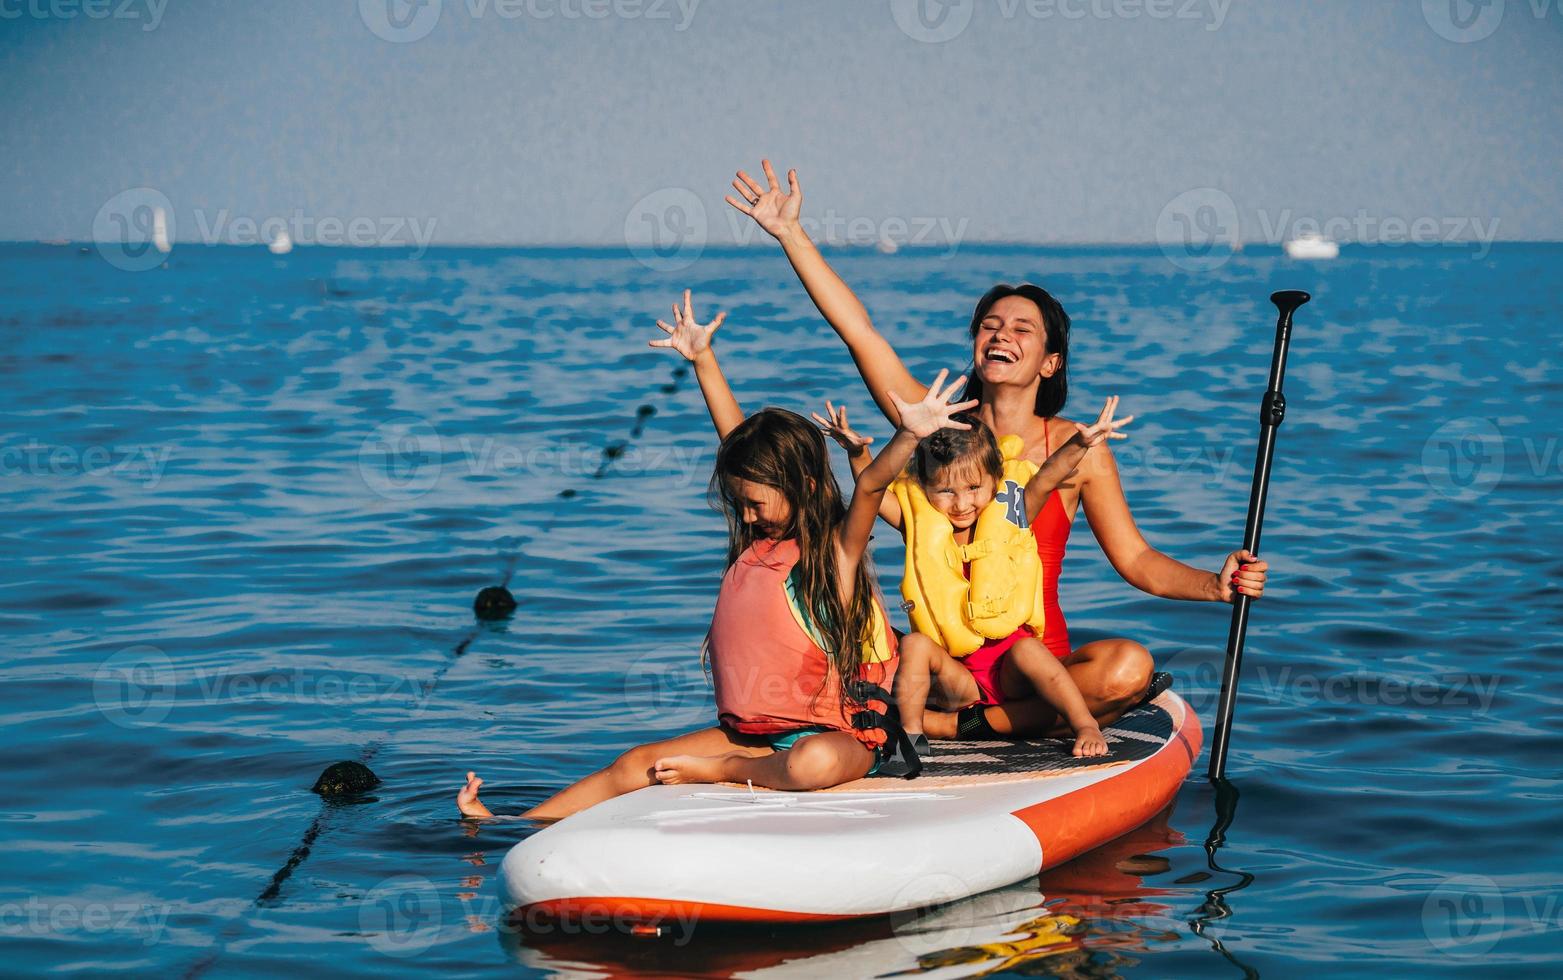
{"type": "Point", "coordinates": [160, 231]}
{"type": "Point", "coordinates": [1312, 246]}
{"type": "Point", "coordinates": [281, 243]}
{"type": "Point", "coordinates": [887, 246]}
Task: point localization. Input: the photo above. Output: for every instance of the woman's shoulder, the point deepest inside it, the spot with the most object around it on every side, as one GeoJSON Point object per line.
{"type": "Point", "coordinates": [1053, 432]}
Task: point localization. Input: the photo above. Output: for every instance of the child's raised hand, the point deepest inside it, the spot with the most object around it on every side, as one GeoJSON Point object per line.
{"type": "Point", "coordinates": [686, 336]}
{"type": "Point", "coordinates": [771, 208]}
{"type": "Point", "coordinates": [1089, 743]}
{"type": "Point", "coordinates": [837, 428]}
{"type": "Point", "coordinates": [922, 419]}
{"type": "Point", "coordinates": [1106, 427]}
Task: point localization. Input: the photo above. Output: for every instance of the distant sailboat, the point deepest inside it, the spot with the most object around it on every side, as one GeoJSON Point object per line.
{"type": "Point", "coordinates": [888, 246]}
{"type": "Point", "coordinates": [1312, 246]}
{"type": "Point", "coordinates": [281, 243]}
{"type": "Point", "coordinates": [160, 231]}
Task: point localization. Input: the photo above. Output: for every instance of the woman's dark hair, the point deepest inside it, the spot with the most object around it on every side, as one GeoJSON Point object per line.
{"type": "Point", "coordinates": [785, 451]}
{"type": "Point", "coordinates": [949, 446]}
{"type": "Point", "coordinates": [1053, 392]}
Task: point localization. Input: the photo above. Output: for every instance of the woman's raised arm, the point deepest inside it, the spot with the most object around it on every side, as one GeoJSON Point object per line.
{"type": "Point", "coordinates": [777, 212]}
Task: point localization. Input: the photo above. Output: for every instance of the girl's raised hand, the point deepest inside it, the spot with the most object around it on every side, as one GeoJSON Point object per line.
{"type": "Point", "coordinates": [837, 428]}
{"type": "Point", "coordinates": [922, 419]}
{"type": "Point", "coordinates": [772, 209]}
{"type": "Point", "coordinates": [686, 336]}
{"type": "Point", "coordinates": [1106, 427]}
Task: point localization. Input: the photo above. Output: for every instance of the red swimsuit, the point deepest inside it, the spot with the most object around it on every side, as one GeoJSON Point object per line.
{"type": "Point", "coordinates": [1051, 529]}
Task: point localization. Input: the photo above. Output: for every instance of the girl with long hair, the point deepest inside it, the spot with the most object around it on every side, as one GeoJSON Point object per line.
{"type": "Point", "coordinates": [799, 645]}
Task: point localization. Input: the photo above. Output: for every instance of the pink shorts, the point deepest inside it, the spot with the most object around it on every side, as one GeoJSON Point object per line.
{"type": "Point", "coordinates": [985, 663]}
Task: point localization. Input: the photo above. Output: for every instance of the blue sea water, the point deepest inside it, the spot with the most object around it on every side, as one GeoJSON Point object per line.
{"type": "Point", "coordinates": [249, 501]}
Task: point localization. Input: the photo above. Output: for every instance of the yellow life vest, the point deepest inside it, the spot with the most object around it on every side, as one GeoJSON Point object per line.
{"type": "Point", "coordinates": [1004, 590]}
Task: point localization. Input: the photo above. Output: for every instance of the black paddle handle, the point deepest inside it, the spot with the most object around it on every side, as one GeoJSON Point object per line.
{"type": "Point", "coordinates": [1271, 412]}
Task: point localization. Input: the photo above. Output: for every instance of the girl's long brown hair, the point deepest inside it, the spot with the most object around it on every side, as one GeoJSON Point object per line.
{"type": "Point", "coordinates": [785, 451]}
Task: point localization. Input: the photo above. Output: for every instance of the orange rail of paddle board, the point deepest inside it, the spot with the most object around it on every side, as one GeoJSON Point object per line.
{"type": "Point", "coordinates": [1070, 825]}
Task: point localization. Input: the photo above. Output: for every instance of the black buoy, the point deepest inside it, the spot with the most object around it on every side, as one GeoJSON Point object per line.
{"type": "Point", "coordinates": [345, 779]}
{"type": "Point", "coordinates": [494, 602]}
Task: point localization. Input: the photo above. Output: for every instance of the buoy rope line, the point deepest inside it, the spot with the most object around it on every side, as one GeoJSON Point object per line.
{"type": "Point", "coordinates": [493, 602]}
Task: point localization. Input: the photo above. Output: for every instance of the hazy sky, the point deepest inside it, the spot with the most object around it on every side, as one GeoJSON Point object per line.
{"type": "Point", "coordinates": [551, 121]}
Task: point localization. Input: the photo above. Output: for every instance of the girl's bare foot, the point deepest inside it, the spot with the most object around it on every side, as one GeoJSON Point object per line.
{"type": "Point", "coordinates": [1089, 743]}
{"type": "Point", "coordinates": [675, 769]}
{"type": "Point", "coordinates": [467, 800]}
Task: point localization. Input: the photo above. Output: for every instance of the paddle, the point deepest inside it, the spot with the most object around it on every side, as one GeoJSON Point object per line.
{"type": "Point", "coordinates": [1271, 411]}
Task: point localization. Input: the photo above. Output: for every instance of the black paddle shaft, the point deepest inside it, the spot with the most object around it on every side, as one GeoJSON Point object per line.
{"type": "Point", "coordinates": [1271, 412]}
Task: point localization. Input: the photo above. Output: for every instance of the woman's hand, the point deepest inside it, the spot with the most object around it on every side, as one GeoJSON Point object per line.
{"type": "Point", "coordinates": [1105, 427]}
{"type": "Point", "coordinates": [1241, 572]}
{"type": "Point", "coordinates": [771, 208]}
{"type": "Point", "coordinates": [837, 428]}
{"type": "Point", "coordinates": [686, 336]}
{"type": "Point", "coordinates": [922, 419]}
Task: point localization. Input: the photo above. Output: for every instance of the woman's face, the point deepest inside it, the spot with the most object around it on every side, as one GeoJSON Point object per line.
{"type": "Point", "coordinates": [960, 491]}
{"type": "Point", "coordinates": [1011, 344]}
{"type": "Point", "coordinates": [763, 508]}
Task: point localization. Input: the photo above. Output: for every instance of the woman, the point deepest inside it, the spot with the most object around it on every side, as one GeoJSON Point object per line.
{"type": "Point", "coordinates": [1020, 352]}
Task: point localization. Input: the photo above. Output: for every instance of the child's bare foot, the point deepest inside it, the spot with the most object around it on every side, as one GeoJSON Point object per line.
{"type": "Point", "coordinates": [467, 800]}
{"type": "Point", "coordinates": [676, 769]}
{"type": "Point", "coordinates": [1090, 743]}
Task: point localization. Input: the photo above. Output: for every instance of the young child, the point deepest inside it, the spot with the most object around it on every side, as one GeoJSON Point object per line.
{"type": "Point", "coordinates": [972, 575]}
{"type": "Point", "coordinates": [798, 642]}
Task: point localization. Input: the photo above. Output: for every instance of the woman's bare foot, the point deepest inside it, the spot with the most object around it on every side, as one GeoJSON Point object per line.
{"type": "Point", "coordinates": [675, 769]}
{"type": "Point", "coordinates": [467, 800]}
